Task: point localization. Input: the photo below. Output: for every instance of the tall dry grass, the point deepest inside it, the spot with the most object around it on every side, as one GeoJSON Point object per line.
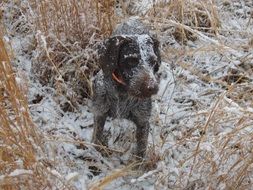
{"type": "Point", "coordinates": [21, 145]}
{"type": "Point", "coordinates": [73, 21]}
{"type": "Point", "coordinates": [220, 142]}
{"type": "Point", "coordinates": [222, 156]}
{"type": "Point", "coordinates": [69, 33]}
{"type": "Point", "coordinates": [199, 15]}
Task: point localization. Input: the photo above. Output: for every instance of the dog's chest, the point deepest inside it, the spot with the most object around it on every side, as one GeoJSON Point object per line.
{"type": "Point", "coordinates": [121, 108]}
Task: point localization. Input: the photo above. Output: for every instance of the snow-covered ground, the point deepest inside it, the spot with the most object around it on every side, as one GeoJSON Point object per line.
{"type": "Point", "coordinates": [201, 125]}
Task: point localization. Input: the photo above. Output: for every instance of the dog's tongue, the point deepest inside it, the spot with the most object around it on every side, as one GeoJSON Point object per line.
{"type": "Point", "coordinates": [118, 79]}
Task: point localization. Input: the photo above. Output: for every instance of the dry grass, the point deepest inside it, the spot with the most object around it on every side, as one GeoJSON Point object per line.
{"type": "Point", "coordinates": [21, 144]}
{"type": "Point", "coordinates": [114, 175]}
{"type": "Point", "coordinates": [199, 15]}
{"type": "Point", "coordinates": [220, 142]}
{"type": "Point", "coordinates": [17, 132]}
{"type": "Point", "coordinates": [68, 35]}
{"type": "Point", "coordinates": [73, 21]}
{"type": "Point", "coordinates": [224, 158]}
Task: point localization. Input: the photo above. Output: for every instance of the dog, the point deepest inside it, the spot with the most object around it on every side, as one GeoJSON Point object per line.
{"type": "Point", "coordinates": [129, 60]}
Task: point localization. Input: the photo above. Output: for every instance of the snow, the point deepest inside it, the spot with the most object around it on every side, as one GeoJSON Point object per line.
{"type": "Point", "coordinates": [54, 172]}
{"type": "Point", "coordinates": [18, 172]}
{"type": "Point", "coordinates": [71, 176]}
{"type": "Point", "coordinates": [180, 111]}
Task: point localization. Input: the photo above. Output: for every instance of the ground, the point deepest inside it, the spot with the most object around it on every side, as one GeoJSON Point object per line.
{"type": "Point", "coordinates": [201, 125]}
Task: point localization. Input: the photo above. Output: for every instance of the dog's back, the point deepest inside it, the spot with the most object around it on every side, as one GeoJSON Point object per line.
{"type": "Point", "coordinates": [133, 26]}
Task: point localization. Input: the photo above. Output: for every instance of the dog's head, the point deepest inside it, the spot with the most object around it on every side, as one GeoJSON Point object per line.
{"type": "Point", "coordinates": [132, 62]}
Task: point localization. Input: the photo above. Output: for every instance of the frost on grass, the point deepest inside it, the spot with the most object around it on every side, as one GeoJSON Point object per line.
{"type": "Point", "coordinates": [201, 134]}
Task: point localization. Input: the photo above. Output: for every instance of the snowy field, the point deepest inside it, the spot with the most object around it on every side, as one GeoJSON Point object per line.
{"type": "Point", "coordinates": [201, 133]}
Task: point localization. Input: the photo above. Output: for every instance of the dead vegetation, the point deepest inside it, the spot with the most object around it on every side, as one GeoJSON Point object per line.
{"type": "Point", "coordinates": [21, 144]}
{"type": "Point", "coordinates": [221, 137]}
{"type": "Point", "coordinates": [215, 152]}
{"type": "Point", "coordinates": [220, 151]}
{"type": "Point", "coordinates": [68, 35]}
{"type": "Point", "coordinates": [199, 15]}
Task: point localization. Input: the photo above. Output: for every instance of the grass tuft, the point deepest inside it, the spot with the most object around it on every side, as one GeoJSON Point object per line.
{"type": "Point", "coordinates": [21, 144]}
{"type": "Point", "coordinates": [68, 37]}
{"type": "Point", "coordinates": [199, 15]}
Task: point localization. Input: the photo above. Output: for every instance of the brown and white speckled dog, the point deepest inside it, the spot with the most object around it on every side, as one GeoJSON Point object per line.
{"type": "Point", "coordinates": [129, 60]}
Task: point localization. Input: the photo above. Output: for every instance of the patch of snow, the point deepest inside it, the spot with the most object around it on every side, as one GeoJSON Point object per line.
{"type": "Point", "coordinates": [72, 176]}
{"type": "Point", "coordinates": [18, 172]}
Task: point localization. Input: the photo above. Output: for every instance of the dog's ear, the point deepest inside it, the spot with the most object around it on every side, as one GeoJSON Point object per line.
{"type": "Point", "coordinates": [109, 53]}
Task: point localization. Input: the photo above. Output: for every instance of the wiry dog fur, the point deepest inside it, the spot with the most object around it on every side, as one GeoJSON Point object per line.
{"type": "Point", "coordinates": [129, 60]}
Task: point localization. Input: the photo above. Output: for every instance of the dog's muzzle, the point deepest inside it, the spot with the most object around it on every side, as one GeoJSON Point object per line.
{"type": "Point", "coordinates": [144, 85]}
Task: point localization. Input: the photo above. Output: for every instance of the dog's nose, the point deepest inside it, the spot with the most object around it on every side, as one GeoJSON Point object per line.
{"type": "Point", "coordinates": [152, 87]}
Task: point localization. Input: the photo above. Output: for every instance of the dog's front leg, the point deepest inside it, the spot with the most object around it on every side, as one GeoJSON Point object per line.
{"type": "Point", "coordinates": [142, 132]}
{"type": "Point", "coordinates": [142, 139]}
{"type": "Point", "coordinates": [98, 133]}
